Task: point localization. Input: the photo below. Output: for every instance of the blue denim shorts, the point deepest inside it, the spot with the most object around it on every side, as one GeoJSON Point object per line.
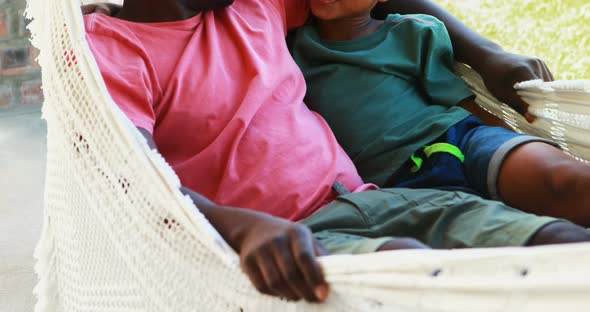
{"type": "Point", "coordinates": [485, 149]}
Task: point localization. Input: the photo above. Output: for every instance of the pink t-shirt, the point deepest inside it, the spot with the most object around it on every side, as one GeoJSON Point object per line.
{"type": "Point", "coordinates": [224, 101]}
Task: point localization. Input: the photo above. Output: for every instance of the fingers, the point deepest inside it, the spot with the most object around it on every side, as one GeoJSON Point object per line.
{"type": "Point", "coordinates": [515, 101]}
{"type": "Point", "coordinates": [506, 69]}
{"type": "Point", "coordinates": [505, 91]}
{"type": "Point", "coordinates": [250, 267]}
{"type": "Point", "coordinates": [292, 276]}
{"type": "Point", "coordinates": [305, 250]}
{"type": "Point", "coordinates": [543, 71]}
{"type": "Point", "coordinates": [547, 75]}
{"type": "Point", "coordinates": [285, 266]}
{"type": "Point", "coordinates": [534, 69]}
{"type": "Point", "coordinates": [276, 272]}
{"type": "Point", "coordinates": [262, 270]}
{"type": "Point", "coordinates": [524, 74]}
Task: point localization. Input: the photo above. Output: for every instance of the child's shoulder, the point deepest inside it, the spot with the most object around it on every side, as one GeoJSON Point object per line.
{"type": "Point", "coordinates": [417, 22]}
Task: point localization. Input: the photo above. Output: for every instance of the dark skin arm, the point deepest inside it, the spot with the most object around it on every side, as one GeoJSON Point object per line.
{"type": "Point", "coordinates": [499, 69]}
{"type": "Point", "coordinates": [278, 256]}
{"type": "Point", "coordinates": [103, 8]}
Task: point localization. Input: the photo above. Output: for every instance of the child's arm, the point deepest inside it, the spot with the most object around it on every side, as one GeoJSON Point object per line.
{"type": "Point", "coordinates": [500, 69]}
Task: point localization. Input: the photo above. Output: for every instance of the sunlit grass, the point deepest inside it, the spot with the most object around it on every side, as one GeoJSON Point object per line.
{"type": "Point", "coordinates": [556, 31]}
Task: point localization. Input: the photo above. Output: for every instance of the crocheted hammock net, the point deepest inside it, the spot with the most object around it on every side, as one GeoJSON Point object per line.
{"type": "Point", "coordinates": [119, 236]}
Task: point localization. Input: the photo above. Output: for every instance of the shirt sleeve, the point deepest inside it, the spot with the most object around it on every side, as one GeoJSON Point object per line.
{"type": "Point", "coordinates": [441, 85]}
{"type": "Point", "coordinates": [296, 12]}
{"type": "Point", "coordinates": [126, 77]}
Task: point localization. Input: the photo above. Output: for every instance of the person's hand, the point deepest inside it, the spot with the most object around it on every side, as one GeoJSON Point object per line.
{"type": "Point", "coordinates": [502, 70]}
{"type": "Point", "coordinates": [279, 257]}
{"type": "Point", "coordinates": [103, 8]}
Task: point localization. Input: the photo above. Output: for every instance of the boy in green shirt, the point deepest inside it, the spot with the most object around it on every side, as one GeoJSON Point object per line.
{"type": "Point", "coordinates": [388, 91]}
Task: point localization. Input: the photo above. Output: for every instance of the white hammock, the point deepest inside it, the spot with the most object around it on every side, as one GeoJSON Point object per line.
{"type": "Point", "coordinates": [119, 236]}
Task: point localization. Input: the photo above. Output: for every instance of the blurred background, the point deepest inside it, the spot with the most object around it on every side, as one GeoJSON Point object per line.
{"type": "Point", "coordinates": [557, 31]}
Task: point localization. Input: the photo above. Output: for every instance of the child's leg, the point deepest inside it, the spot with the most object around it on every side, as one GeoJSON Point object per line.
{"type": "Point", "coordinates": [539, 178]}
{"type": "Point", "coordinates": [402, 243]}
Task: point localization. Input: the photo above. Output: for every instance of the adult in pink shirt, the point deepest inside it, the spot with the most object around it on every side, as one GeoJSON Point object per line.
{"type": "Point", "coordinates": [214, 89]}
{"type": "Point", "coordinates": [223, 103]}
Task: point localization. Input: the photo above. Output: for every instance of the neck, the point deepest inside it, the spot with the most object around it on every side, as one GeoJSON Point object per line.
{"type": "Point", "coordinates": [347, 28]}
{"type": "Point", "coordinates": [155, 11]}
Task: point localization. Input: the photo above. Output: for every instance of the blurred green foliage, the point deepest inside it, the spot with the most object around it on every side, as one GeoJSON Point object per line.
{"type": "Point", "coordinates": [556, 31]}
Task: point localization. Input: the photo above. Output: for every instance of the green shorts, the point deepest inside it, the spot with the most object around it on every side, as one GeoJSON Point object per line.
{"type": "Point", "coordinates": [363, 222]}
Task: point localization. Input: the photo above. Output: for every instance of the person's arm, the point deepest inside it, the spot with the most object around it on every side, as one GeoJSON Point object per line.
{"type": "Point", "coordinates": [499, 69]}
{"type": "Point", "coordinates": [103, 8]}
{"type": "Point", "coordinates": [278, 256]}
{"type": "Point", "coordinates": [468, 45]}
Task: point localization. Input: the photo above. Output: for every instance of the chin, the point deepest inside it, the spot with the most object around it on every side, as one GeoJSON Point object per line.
{"type": "Point", "coordinates": [325, 17]}
{"type": "Point", "coordinates": [324, 14]}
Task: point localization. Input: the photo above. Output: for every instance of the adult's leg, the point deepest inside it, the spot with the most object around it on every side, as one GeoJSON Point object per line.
{"type": "Point", "coordinates": [343, 228]}
{"type": "Point", "coordinates": [373, 221]}
{"type": "Point", "coordinates": [339, 242]}
{"type": "Point", "coordinates": [560, 233]}
{"type": "Point", "coordinates": [539, 178]}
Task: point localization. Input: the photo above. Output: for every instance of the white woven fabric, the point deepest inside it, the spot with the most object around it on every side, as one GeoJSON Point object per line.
{"type": "Point", "coordinates": [119, 236]}
{"type": "Point", "coordinates": [562, 108]}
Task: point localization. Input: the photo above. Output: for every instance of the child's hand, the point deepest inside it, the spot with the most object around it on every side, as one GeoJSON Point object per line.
{"type": "Point", "coordinates": [501, 70]}
{"type": "Point", "coordinates": [103, 8]}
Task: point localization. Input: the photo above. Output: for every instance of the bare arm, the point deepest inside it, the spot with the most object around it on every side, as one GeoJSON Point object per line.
{"type": "Point", "coordinates": [278, 256]}
{"type": "Point", "coordinates": [104, 8]}
{"type": "Point", "coordinates": [468, 45]}
{"type": "Point", "coordinates": [499, 69]}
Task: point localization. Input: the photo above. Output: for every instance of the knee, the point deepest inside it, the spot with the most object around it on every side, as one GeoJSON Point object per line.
{"type": "Point", "coordinates": [568, 184]}
{"type": "Point", "coordinates": [563, 179]}
{"type": "Point", "coordinates": [560, 233]}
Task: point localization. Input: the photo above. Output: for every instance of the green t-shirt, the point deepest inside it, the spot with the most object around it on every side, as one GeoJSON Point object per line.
{"type": "Point", "coordinates": [384, 95]}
